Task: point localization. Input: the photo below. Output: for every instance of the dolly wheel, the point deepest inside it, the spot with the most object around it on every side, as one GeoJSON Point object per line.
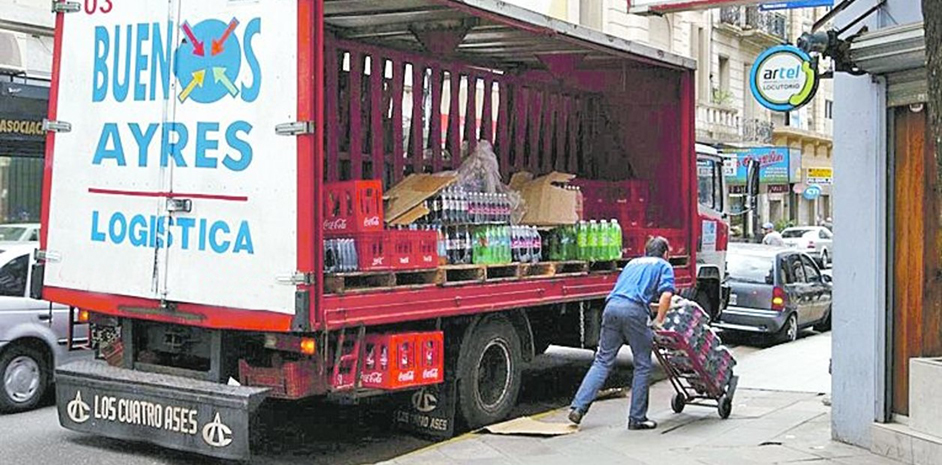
{"type": "Point", "coordinates": [678, 402]}
{"type": "Point", "coordinates": [725, 406]}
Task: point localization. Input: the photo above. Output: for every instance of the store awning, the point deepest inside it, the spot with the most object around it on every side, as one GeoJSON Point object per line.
{"type": "Point", "coordinates": [899, 53]}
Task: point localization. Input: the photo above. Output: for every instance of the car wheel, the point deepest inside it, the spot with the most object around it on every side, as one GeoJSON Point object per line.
{"type": "Point", "coordinates": [490, 373]}
{"type": "Point", "coordinates": [25, 376]}
{"type": "Point", "coordinates": [825, 259]}
{"type": "Point", "coordinates": [789, 331]}
{"type": "Point", "coordinates": [824, 325]}
{"type": "Point", "coordinates": [703, 299]}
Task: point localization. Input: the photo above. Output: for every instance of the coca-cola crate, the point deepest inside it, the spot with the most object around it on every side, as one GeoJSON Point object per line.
{"type": "Point", "coordinates": [633, 191]}
{"type": "Point", "coordinates": [286, 380]}
{"type": "Point", "coordinates": [633, 241]}
{"type": "Point", "coordinates": [413, 249]}
{"type": "Point", "coordinates": [373, 251]}
{"type": "Point", "coordinates": [401, 360]}
{"type": "Point", "coordinates": [353, 207]}
{"type": "Point", "coordinates": [628, 215]}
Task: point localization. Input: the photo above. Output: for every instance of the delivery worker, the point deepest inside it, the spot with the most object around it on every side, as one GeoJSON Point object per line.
{"type": "Point", "coordinates": [627, 319]}
{"type": "Point", "coordinates": [771, 236]}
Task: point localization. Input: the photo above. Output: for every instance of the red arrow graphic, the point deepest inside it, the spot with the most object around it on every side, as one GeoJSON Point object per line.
{"type": "Point", "coordinates": [217, 44]}
{"type": "Point", "coordinates": [197, 45]}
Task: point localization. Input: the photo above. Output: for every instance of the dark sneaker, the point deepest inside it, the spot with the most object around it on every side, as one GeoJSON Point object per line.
{"type": "Point", "coordinates": [641, 425]}
{"type": "Point", "coordinates": [575, 416]}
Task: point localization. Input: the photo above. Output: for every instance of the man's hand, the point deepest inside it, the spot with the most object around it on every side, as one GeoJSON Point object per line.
{"type": "Point", "coordinates": [663, 305]}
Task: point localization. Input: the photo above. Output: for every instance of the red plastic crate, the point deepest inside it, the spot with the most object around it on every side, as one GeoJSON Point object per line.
{"type": "Point", "coordinates": [373, 252]}
{"type": "Point", "coordinates": [353, 207]}
{"type": "Point", "coordinates": [396, 361]}
{"type": "Point", "coordinates": [286, 380]}
{"type": "Point", "coordinates": [413, 249]}
{"type": "Point", "coordinates": [633, 241]}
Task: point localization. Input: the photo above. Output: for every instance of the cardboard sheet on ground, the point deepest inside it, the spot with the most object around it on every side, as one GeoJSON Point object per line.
{"type": "Point", "coordinates": [526, 426]}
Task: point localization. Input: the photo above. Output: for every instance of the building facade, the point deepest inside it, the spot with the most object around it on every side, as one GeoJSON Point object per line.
{"type": "Point", "coordinates": [26, 44]}
{"type": "Point", "coordinates": [887, 316]}
{"type": "Point", "coordinates": [726, 42]}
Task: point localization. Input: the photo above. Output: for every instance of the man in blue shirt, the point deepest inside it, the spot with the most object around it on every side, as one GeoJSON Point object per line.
{"type": "Point", "coordinates": [627, 319]}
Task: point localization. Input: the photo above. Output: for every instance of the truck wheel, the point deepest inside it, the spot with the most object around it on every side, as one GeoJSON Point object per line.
{"type": "Point", "coordinates": [25, 377]}
{"type": "Point", "coordinates": [490, 369]}
{"type": "Point", "coordinates": [703, 299]}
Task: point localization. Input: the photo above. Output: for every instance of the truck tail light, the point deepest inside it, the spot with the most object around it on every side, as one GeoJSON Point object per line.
{"type": "Point", "coordinates": [308, 346]}
{"type": "Point", "coordinates": [779, 299]}
{"type": "Point", "coordinates": [82, 316]}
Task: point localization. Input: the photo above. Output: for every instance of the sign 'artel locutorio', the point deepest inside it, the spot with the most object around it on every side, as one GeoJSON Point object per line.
{"type": "Point", "coordinates": [784, 78]}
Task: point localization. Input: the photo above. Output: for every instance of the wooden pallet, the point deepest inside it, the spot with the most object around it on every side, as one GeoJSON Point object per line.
{"type": "Point", "coordinates": [538, 270]}
{"type": "Point", "coordinates": [503, 272]}
{"type": "Point", "coordinates": [569, 268]}
{"type": "Point", "coordinates": [463, 274]}
{"type": "Point", "coordinates": [603, 266]}
{"type": "Point", "coordinates": [343, 283]}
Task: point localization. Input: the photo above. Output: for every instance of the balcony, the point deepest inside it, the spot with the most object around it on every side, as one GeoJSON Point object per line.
{"type": "Point", "coordinates": [717, 123]}
{"type": "Point", "coordinates": [758, 131]}
{"type": "Point", "coordinates": [762, 27]}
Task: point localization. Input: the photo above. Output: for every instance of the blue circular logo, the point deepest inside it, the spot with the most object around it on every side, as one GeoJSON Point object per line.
{"type": "Point", "coordinates": [784, 78]}
{"type": "Point", "coordinates": [208, 61]}
{"type": "Point", "coordinates": [812, 192]}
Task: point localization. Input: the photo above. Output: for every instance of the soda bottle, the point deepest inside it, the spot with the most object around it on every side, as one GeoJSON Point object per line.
{"type": "Point", "coordinates": [441, 247]}
{"type": "Point", "coordinates": [506, 236]}
{"type": "Point", "coordinates": [582, 240]}
{"type": "Point", "coordinates": [536, 252]}
{"type": "Point", "coordinates": [466, 245]}
{"type": "Point", "coordinates": [463, 202]}
{"type": "Point", "coordinates": [617, 239]}
{"type": "Point", "coordinates": [355, 259]}
{"type": "Point", "coordinates": [605, 241]}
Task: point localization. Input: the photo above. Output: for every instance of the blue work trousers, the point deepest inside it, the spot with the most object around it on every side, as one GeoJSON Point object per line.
{"type": "Point", "coordinates": [623, 323]}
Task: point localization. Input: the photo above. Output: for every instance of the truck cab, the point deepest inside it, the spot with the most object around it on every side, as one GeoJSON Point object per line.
{"type": "Point", "coordinates": [712, 292]}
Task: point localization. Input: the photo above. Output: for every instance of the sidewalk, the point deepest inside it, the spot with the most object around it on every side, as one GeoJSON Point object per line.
{"type": "Point", "coordinates": [768, 425]}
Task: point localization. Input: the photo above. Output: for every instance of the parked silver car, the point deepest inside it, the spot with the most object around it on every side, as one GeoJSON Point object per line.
{"type": "Point", "coordinates": [33, 333]}
{"type": "Point", "coordinates": [816, 241]}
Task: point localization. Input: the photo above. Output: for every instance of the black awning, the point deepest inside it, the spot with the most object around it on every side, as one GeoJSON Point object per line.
{"type": "Point", "coordinates": [22, 109]}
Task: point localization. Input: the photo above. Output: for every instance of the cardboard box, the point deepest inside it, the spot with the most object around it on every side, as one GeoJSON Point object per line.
{"type": "Point", "coordinates": [405, 199]}
{"type": "Point", "coordinates": [547, 203]}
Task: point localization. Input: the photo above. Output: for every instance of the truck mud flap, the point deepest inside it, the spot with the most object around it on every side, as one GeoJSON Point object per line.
{"type": "Point", "coordinates": [430, 411]}
{"type": "Point", "coordinates": [179, 413]}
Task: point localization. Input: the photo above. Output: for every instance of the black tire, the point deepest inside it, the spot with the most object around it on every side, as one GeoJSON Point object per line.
{"type": "Point", "coordinates": [724, 406]}
{"type": "Point", "coordinates": [490, 369]}
{"type": "Point", "coordinates": [17, 363]}
{"type": "Point", "coordinates": [825, 259]}
{"type": "Point", "coordinates": [678, 402]}
{"type": "Point", "coordinates": [789, 331]}
{"type": "Point", "coordinates": [824, 325]}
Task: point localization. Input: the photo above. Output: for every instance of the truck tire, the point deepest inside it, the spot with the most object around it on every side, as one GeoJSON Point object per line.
{"type": "Point", "coordinates": [24, 376]}
{"type": "Point", "coordinates": [490, 367]}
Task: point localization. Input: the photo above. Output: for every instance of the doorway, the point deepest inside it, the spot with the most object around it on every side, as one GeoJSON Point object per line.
{"type": "Point", "coordinates": [916, 307]}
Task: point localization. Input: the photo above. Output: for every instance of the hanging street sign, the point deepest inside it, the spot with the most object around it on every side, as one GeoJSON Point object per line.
{"type": "Point", "coordinates": [795, 4]}
{"type": "Point", "coordinates": [784, 78]}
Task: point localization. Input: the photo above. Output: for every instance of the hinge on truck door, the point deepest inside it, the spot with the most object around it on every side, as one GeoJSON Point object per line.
{"type": "Point", "coordinates": [295, 128]}
{"type": "Point", "coordinates": [46, 256]}
{"type": "Point", "coordinates": [296, 279]}
{"type": "Point", "coordinates": [66, 7]}
{"type": "Point", "coordinates": [56, 126]}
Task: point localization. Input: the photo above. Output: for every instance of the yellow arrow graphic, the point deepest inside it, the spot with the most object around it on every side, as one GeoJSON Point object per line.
{"type": "Point", "coordinates": [198, 77]}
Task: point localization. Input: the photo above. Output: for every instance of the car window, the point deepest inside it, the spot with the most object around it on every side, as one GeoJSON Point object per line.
{"type": "Point", "coordinates": [823, 235]}
{"type": "Point", "coordinates": [33, 235]}
{"type": "Point", "coordinates": [750, 268]}
{"type": "Point", "coordinates": [811, 272]}
{"type": "Point", "coordinates": [794, 233]}
{"type": "Point", "coordinates": [11, 233]}
{"type": "Point", "coordinates": [797, 268]}
{"type": "Point", "coordinates": [13, 277]}
{"type": "Point", "coordinates": [786, 274]}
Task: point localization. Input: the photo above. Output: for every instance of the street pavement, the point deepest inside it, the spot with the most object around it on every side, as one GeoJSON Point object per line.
{"type": "Point", "coordinates": [292, 433]}
{"type": "Point", "coordinates": [780, 415]}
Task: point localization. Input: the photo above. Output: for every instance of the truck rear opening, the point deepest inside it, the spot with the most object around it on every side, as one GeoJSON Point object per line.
{"type": "Point", "coordinates": [186, 207]}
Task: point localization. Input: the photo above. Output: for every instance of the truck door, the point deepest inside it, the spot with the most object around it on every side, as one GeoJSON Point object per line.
{"type": "Point", "coordinates": [234, 210]}
{"type": "Point", "coordinates": [172, 183]}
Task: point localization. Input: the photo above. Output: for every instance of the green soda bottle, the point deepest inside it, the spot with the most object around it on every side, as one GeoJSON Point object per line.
{"type": "Point", "coordinates": [594, 242]}
{"type": "Point", "coordinates": [582, 241]}
{"type": "Point", "coordinates": [617, 239]}
{"type": "Point", "coordinates": [605, 241]}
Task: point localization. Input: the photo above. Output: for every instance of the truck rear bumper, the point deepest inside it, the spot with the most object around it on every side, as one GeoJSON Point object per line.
{"type": "Point", "coordinates": [171, 411]}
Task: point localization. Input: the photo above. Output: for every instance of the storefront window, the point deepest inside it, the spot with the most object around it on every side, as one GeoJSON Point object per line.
{"type": "Point", "coordinates": [21, 181]}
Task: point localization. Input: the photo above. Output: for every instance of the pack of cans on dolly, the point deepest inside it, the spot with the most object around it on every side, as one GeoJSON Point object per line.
{"type": "Point", "coordinates": [698, 365]}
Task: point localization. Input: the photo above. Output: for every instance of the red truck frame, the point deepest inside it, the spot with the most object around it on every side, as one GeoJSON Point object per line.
{"type": "Point", "coordinates": [565, 98]}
